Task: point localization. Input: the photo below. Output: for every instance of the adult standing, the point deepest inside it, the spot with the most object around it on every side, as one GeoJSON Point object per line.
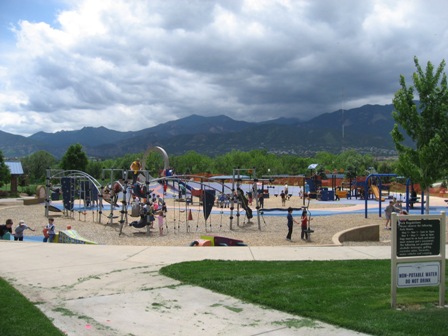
{"type": "Point", "coordinates": [135, 167]}
{"type": "Point", "coordinates": [290, 224]}
{"type": "Point", "coordinates": [18, 232]}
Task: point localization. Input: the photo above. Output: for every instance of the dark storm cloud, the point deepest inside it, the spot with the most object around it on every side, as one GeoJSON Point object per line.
{"type": "Point", "coordinates": [150, 62]}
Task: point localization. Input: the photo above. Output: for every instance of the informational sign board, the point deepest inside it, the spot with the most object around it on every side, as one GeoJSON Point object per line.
{"type": "Point", "coordinates": [418, 253]}
{"type": "Point", "coordinates": [419, 237]}
{"type": "Point", "coordinates": [418, 274]}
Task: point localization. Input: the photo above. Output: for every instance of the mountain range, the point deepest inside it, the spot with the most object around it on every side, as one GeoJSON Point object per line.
{"type": "Point", "coordinates": [366, 129]}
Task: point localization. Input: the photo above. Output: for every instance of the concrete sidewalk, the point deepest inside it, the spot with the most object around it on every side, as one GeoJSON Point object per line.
{"type": "Point", "coordinates": [117, 290]}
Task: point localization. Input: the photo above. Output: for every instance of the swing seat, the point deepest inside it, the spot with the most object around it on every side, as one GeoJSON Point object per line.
{"type": "Point", "coordinates": [138, 224]}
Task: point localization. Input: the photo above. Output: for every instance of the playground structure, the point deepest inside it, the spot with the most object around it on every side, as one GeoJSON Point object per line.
{"type": "Point", "coordinates": [83, 194]}
{"type": "Point", "coordinates": [187, 214]}
{"type": "Point", "coordinates": [145, 200]}
{"type": "Point", "coordinates": [335, 186]}
{"type": "Point", "coordinates": [72, 184]}
{"type": "Point", "coordinates": [161, 151]}
{"type": "Point", "coordinates": [376, 189]}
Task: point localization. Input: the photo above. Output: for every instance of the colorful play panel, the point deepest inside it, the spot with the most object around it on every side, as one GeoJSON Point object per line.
{"type": "Point", "coordinates": [71, 237]}
{"type": "Point", "coordinates": [222, 241]}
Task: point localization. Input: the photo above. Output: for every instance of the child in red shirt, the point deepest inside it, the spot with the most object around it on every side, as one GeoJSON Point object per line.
{"type": "Point", "coordinates": [304, 234]}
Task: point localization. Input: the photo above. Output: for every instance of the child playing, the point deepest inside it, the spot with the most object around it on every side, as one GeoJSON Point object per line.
{"type": "Point", "coordinates": [50, 231]}
{"type": "Point", "coordinates": [304, 234]}
{"type": "Point", "coordinates": [18, 233]}
{"type": "Point", "coordinates": [6, 228]}
{"type": "Point", "coordinates": [388, 212]}
{"type": "Point", "coordinates": [283, 197]}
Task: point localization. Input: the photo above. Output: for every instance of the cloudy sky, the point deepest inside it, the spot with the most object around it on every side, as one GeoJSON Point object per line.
{"type": "Point", "coordinates": [133, 64]}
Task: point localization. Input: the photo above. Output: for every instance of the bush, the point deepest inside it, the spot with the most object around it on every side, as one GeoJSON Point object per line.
{"type": "Point", "coordinates": [30, 191]}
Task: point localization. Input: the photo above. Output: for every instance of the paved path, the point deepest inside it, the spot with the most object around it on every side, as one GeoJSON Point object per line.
{"type": "Point", "coordinates": [117, 290]}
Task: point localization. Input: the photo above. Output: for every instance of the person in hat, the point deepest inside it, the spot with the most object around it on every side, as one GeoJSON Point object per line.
{"type": "Point", "coordinates": [18, 232]}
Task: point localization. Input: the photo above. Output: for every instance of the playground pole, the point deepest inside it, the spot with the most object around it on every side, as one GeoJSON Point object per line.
{"type": "Point", "coordinates": [366, 189]}
{"type": "Point", "coordinates": [232, 199]}
{"type": "Point", "coordinates": [111, 215]}
{"type": "Point", "coordinates": [47, 191]}
{"type": "Point", "coordinates": [147, 202]}
{"type": "Point", "coordinates": [187, 225]}
{"type": "Point", "coordinates": [254, 190]}
{"type": "Point", "coordinates": [238, 203]}
{"type": "Point", "coordinates": [124, 206]}
{"type": "Point", "coordinates": [303, 189]}
{"type": "Point", "coordinates": [100, 198]}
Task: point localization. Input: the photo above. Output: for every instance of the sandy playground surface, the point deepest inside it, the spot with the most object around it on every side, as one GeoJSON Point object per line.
{"type": "Point", "coordinates": [273, 228]}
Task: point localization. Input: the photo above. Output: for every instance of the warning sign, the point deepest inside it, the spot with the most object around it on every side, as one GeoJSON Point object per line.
{"type": "Point", "coordinates": [418, 274]}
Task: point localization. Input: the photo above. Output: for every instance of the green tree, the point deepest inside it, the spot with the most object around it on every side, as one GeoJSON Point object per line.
{"type": "Point", "coordinates": [292, 165]}
{"type": "Point", "coordinates": [425, 123]}
{"type": "Point", "coordinates": [191, 163]}
{"type": "Point", "coordinates": [94, 169]}
{"type": "Point", "coordinates": [74, 159]}
{"type": "Point", "coordinates": [222, 166]}
{"type": "Point", "coordinates": [327, 160]}
{"type": "Point", "coordinates": [263, 162]}
{"type": "Point", "coordinates": [5, 175]}
{"type": "Point", "coordinates": [36, 164]}
{"type": "Point", "coordinates": [154, 164]}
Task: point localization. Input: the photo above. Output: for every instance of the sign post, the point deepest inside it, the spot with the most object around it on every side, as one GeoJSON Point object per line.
{"type": "Point", "coordinates": [418, 253]}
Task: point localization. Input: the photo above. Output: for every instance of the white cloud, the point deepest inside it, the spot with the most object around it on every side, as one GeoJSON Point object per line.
{"type": "Point", "coordinates": [133, 64]}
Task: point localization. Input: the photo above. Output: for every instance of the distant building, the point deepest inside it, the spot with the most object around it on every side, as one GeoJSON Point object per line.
{"type": "Point", "coordinates": [16, 170]}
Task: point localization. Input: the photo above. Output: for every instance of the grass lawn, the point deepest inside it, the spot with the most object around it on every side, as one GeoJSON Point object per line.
{"type": "Point", "coordinates": [19, 317]}
{"type": "Point", "coordinates": [350, 294]}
